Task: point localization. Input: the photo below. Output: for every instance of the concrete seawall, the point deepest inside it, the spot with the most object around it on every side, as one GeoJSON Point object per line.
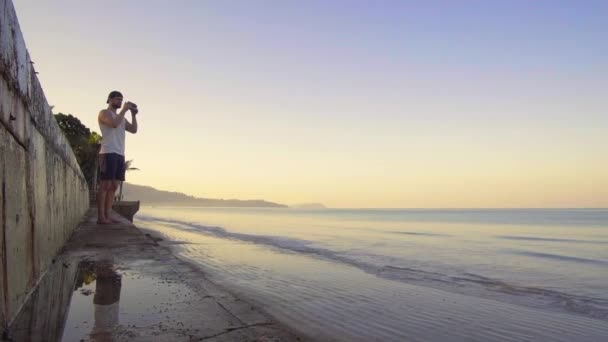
{"type": "Point", "coordinates": [43, 192]}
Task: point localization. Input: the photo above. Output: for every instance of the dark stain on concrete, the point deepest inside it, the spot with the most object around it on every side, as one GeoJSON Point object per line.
{"type": "Point", "coordinates": [4, 261]}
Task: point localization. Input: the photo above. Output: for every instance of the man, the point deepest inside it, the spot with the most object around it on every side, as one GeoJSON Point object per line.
{"type": "Point", "coordinates": [112, 154]}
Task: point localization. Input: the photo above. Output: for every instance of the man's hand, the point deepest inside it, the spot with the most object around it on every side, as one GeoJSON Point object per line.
{"type": "Point", "coordinates": [134, 110]}
{"type": "Point", "coordinates": [127, 105]}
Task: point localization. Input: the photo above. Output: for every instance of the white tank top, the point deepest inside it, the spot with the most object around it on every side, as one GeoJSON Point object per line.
{"type": "Point", "coordinates": [113, 139]}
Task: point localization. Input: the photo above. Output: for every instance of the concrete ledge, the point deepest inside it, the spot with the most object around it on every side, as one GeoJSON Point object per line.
{"type": "Point", "coordinates": [161, 297]}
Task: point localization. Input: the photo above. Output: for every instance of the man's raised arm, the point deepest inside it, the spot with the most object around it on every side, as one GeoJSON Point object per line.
{"type": "Point", "coordinates": [106, 118]}
{"type": "Point", "coordinates": [132, 126]}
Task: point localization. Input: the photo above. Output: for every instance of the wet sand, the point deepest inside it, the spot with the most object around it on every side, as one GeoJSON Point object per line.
{"type": "Point", "coordinates": [117, 283]}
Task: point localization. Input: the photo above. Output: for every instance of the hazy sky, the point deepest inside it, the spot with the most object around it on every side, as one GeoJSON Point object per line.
{"type": "Point", "coordinates": [348, 103]}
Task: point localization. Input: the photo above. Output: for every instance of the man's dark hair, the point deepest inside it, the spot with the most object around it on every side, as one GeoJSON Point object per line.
{"type": "Point", "coordinates": [113, 94]}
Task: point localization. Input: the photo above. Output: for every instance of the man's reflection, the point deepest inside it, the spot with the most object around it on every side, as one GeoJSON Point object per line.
{"type": "Point", "coordinates": [106, 299]}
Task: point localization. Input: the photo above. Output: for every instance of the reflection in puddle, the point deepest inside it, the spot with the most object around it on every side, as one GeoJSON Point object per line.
{"type": "Point", "coordinates": [106, 296]}
{"type": "Point", "coordinates": [99, 300]}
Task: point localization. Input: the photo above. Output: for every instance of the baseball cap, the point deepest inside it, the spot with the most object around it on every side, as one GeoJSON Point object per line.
{"type": "Point", "coordinates": [113, 94]}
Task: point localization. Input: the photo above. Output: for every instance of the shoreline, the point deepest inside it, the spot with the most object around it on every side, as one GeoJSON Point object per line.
{"type": "Point", "coordinates": [172, 245]}
{"type": "Point", "coordinates": [118, 282]}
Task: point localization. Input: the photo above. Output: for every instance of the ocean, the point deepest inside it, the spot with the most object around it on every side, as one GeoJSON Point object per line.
{"type": "Point", "coordinates": [406, 274]}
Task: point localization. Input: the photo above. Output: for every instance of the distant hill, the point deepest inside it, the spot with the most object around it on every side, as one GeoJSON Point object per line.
{"type": "Point", "coordinates": [309, 206]}
{"type": "Point", "coordinates": [149, 195]}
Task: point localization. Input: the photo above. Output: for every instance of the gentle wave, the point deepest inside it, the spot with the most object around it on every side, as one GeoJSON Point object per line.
{"type": "Point", "coordinates": [587, 306]}
{"type": "Point", "coordinates": [533, 238]}
{"type": "Point", "coordinates": [559, 257]}
{"type": "Point", "coordinates": [415, 233]}
{"type": "Point", "coordinates": [559, 217]}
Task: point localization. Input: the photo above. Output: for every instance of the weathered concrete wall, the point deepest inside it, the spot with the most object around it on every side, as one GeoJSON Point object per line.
{"type": "Point", "coordinates": [43, 194]}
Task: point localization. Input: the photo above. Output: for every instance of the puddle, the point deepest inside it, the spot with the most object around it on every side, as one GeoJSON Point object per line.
{"type": "Point", "coordinates": [107, 296]}
{"type": "Point", "coordinates": [99, 300]}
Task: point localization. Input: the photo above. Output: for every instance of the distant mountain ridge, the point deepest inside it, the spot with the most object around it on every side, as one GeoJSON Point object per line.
{"type": "Point", "coordinates": [150, 195]}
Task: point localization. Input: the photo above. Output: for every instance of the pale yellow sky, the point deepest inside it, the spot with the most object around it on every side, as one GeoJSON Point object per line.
{"type": "Point", "coordinates": [291, 104]}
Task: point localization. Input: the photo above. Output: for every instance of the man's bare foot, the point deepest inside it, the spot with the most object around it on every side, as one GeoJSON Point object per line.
{"type": "Point", "coordinates": [112, 220]}
{"type": "Point", "coordinates": [104, 221]}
